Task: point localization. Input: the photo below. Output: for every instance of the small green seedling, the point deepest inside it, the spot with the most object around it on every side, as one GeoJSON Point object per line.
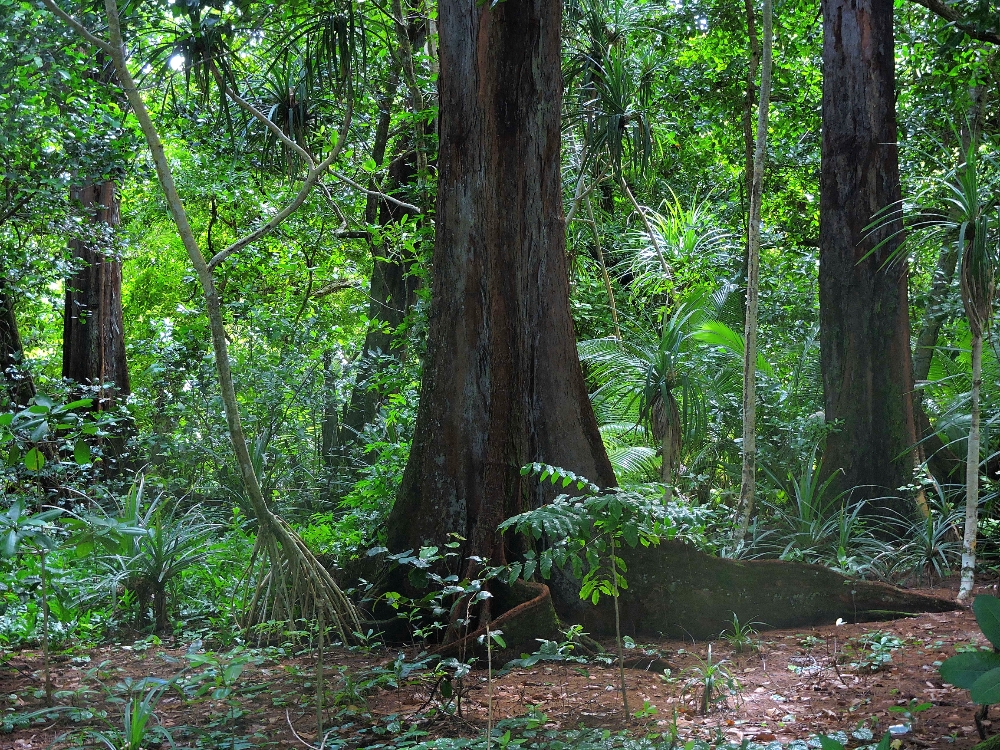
{"type": "Point", "coordinates": [828, 743]}
{"type": "Point", "coordinates": [741, 636]}
{"type": "Point", "coordinates": [910, 711]}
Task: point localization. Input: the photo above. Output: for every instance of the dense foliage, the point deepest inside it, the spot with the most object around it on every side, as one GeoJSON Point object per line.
{"type": "Point", "coordinates": [137, 517]}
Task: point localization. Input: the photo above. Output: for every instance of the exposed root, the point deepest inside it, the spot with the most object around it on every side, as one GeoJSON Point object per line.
{"type": "Point", "coordinates": [290, 584]}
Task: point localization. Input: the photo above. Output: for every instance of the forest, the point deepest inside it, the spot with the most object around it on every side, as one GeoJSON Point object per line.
{"type": "Point", "coordinates": [541, 374]}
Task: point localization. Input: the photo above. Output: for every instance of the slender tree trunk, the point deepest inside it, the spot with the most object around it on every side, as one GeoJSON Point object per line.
{"type": "Point", "coordinates": [940, 459]}
{"type": "Point", "coordinates": [669, 421]}
{"type": "Point", "coordinates": [393, 287]}
{"type": "Point", "coordinates": [405, 49]}
{"type": "Point", "coordinates": [329, 428]}
{"type": "Point", "coordinates": [604, 268]}
{"type": "Point", "coordinates": [502, 383]}
{"type": "Point", "coordinates": [748, 482]}
{"type": "Point", "coordinates": [934, 315]}
{"type": "Point", "coordinates": [18, 384]}
{"type": "Point", "coordinates": [972, 476]}
{"type": "Point", "coordinates": [749, 144]}
{"type": "Point", "coordinates": [864, 319]}
{"type": "Point", "coordinates": [93, 329]}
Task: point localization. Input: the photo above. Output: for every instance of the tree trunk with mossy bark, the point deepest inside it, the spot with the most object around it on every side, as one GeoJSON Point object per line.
{"type": "Point", "coordinates": [678, 591]}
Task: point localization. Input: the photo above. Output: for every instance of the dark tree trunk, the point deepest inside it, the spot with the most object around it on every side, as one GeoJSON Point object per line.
{"type": "Point", "coordinates": [93, 331]}
{"type": "Point", "coordinates": [393, 293]}
{"type": "Point", "coordinates": [18, 385]}
{"type": "Point", "coordinates": [329, 429]}
{"type": "Point", "coordinates": [502, 383]}
{"type": "Point", "coordinates": [864, 321]}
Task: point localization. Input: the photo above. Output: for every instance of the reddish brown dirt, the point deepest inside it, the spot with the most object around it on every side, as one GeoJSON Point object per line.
{"type": "Point", "coordinates": [797, 684]}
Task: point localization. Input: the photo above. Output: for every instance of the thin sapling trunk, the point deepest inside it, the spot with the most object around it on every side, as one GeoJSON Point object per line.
{"type": "Point", "coordinates": [749, 479]}
{"type": "Point", "coordinates": [618, 626]}
{"type": "Point", "coordinates": [972, 476]}
{"type": "Point", "coordinates": [43, 554]}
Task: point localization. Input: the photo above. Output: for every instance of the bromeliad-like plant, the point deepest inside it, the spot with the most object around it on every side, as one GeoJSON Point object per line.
{"type": "Point", "coordinates": [587, 531]}
{"type": "Point", "coordinates": [144, 547]}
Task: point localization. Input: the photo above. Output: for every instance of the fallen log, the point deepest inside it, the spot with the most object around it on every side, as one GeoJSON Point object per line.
{"type": "Point", "coordinates": [677, 591]}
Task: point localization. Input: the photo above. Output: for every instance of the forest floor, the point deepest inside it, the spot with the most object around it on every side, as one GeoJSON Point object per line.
{"type": "Point", "coordinates": [794, 685]}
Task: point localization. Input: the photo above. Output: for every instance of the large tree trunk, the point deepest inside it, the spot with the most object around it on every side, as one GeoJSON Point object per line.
{"type": "Point", "coordinates": [864, 321]}
{"type": "Point", "coordinates": [93, 331]}
{"type": "Point", "coordinates": [18, 385]}
{"type": "Point", "coordinates": [502, 383]}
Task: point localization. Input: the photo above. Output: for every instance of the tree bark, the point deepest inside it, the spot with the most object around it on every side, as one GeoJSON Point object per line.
{"type": "Point", "coordinates": [93, 329]}
{"type": "Point", "coordinates": [502, 383]}
{"type": "Point", "coordinates": [864, 321]}
{"type": "Point", "coordinates": [18, 384]}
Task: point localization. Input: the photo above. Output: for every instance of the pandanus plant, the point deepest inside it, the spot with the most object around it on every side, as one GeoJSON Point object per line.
{"type": "Point", "coordinates": [955, 208]}
{"type": "Point", "coordinates": [646, 374]}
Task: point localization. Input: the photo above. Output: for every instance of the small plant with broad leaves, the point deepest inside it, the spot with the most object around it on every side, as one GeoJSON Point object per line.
{"type": "Point", "coordinates": [979, 671]}
{"type": "Point", "coordinates": [587, 531]}
{"type": "Point", "coordinates": [45, 430]}
{"type": "Point", "coordinates": [828, 743]}
{"type": "Point", "coordinates": [35, 533]}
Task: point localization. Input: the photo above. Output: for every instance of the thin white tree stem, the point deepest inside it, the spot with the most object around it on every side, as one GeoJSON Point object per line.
{"type": "Point", "coordinates": [748, 482]}
{"type": "Point", "coordinates": [972, 475]}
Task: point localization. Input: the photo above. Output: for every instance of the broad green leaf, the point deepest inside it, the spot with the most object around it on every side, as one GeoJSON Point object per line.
{"type": "Point", "coordinates": [9, 544]}
{"type": "Point", "coordinates": [963, 670]}
{"type": "Point", "coordinates": [986, 689]}
{"type": "Point", "coordinates": [987, 609]}
{"type": "Point", "coordinates": [34, 460]}
{"type": "Point", "coordinates": [232, 672]}
{"type": "Point", "coordinates": [81, 452]}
